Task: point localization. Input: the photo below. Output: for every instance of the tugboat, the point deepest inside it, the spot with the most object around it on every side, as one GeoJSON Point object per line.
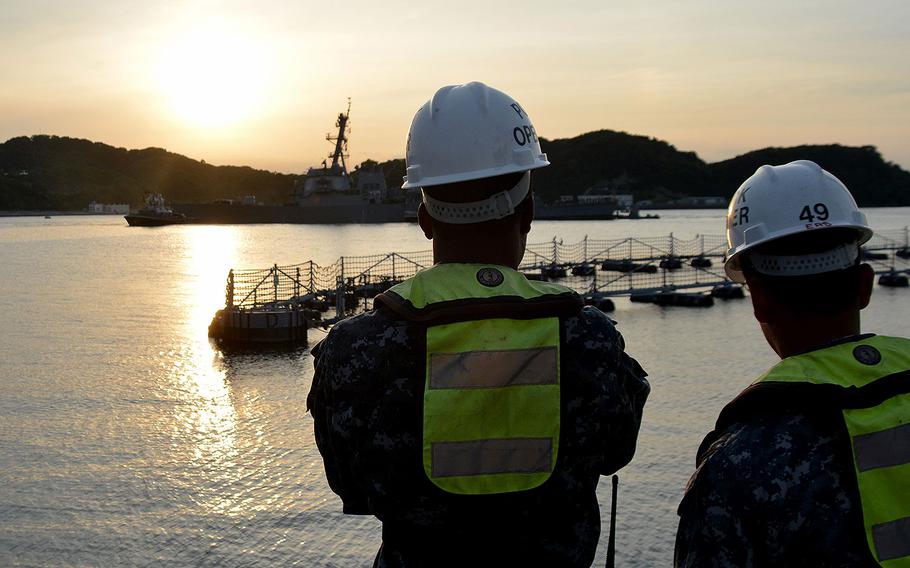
{"type": "Point", "coordinates": [155, 214]}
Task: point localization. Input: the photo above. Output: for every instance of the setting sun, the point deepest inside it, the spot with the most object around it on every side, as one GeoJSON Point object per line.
{"type": "Point", "coordinates": [214, 77]}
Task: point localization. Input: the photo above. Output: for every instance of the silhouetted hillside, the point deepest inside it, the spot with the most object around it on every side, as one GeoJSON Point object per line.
{"type": "Point", "coordinates": [653, 169]}
{"type": "Point", "coordinates": [872, 180]}
{"type": "Point", "coordinates": [52, 172]}
{"type": "Point", "coordinates": [627, 163]}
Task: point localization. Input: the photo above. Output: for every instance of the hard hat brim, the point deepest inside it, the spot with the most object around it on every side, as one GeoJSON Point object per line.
{"type": "Point", "coordinates": [540, 162]}
{"type": "Point", "coordinates": [733, 262]}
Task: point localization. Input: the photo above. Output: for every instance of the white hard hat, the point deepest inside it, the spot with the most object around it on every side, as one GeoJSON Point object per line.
{"type": "Point", "coordinates": [780, 201]}
{"type": "Point", "coordinates": [467, 132]}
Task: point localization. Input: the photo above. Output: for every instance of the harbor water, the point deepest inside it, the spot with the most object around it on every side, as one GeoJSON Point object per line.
{"type": "Point", "coordinates": [127, 439]}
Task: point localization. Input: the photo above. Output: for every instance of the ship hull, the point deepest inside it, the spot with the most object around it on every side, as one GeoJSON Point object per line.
{"type": "Point", "coordinates": [224, 214]}
{"type": "Point", "coordinates": [153, 221]}
{"type": "Point", "coordinates": [575, 212]}
{"type": "Point", "coordinates": [344, 213]}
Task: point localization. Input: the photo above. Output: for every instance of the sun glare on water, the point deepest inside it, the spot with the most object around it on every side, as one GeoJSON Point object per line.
{"type": "Point", "coordinates": [214, 77]}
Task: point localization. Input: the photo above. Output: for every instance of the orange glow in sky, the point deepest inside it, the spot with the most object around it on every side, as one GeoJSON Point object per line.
{"type": "Point", "coordinates": [261, 83]}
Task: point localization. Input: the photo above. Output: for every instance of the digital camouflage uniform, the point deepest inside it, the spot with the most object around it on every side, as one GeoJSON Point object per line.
{"type": "Point", "coordinates": [775, 487]}
{"type": "Point", "coordinates": [366, 402]}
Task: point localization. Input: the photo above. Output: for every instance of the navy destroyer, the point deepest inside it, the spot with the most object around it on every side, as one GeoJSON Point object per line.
{"type": "Point", "coordinates": [325, 195]}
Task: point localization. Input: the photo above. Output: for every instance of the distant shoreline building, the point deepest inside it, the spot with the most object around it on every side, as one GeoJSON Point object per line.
{"type": "Point", "coordinates": [371, 185]}
{"type": "Point", "coordinates": [601, 194]}
{"type": "Point", "coordinates": [706, 201]}
{"type": "Point", "coordinates": [109, 208]}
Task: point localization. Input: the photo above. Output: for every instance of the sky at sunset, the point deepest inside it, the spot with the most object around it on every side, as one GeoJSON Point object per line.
{"type": "Point", "coordinates": [260, 83]}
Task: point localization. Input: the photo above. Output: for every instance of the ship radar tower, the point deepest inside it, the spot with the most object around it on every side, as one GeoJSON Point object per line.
{"type": "Point", "coordinates": [341, 141]}
{"type": "Point", "coordinates": [330, 178]}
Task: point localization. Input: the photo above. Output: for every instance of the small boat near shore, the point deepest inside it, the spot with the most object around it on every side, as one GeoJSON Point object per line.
{"type": "Point", "coordinates": [155, 214]}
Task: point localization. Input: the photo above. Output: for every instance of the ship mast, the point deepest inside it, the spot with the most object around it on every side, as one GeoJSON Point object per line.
{"type": "Point", "coordinates": [340, 140]}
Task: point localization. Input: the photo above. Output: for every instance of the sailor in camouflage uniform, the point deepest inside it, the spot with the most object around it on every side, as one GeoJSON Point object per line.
{"type": "Point", "coordinates": [473, 411]}
{"type": "Point", "coordinates": [809, 466]}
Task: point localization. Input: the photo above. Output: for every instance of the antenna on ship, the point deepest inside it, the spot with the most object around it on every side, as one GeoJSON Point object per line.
{"type": "Point", "coordinates": [340, 140]}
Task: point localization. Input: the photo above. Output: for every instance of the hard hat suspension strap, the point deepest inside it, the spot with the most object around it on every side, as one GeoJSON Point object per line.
{"type": "Point", "coordinates": [494, 207]}
{"type": "Point", "coordinates": [841, 257]}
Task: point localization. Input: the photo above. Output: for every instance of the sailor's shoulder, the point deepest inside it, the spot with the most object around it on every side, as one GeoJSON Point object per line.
{"type": "Point", "coordinates": [592, 329]}
{"type": "Point", "coordinates": [367, 323]}
{"type": "Point", "coordinates": [774, 477]}
{"type": "Point", "coordinates": [771, 454]}
{"type": "Point", "coordinates": [368, 335]}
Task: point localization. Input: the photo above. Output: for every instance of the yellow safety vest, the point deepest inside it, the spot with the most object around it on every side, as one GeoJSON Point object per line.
{"type": "Point", "coordinates": [869, 380]}
{"type": "Point", "coordinates": [491, 405]}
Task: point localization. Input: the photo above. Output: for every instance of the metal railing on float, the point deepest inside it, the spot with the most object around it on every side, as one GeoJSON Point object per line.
{"type": "Point", "coordinates": [596, 268]}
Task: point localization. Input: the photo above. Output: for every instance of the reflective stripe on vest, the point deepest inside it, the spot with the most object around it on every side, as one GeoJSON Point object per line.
{"type": "Point", "coordinates": [880, 434]}
{"type": "Point", "coordinates": [491, 406]}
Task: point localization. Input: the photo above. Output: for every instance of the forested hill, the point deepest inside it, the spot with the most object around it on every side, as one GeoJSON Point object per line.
{"type": "Point", "coordinates": [645, 167]}
{"type": "Point", "coordinates": [51, 172]}
{"type": "Point", "coordinates": [873, 181]}
{"type": "Point", "coordinates": [653, 169]}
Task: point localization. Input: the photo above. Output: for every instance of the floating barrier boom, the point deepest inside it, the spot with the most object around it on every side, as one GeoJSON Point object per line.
{"type": "Point", "coordinates": [596, 268]}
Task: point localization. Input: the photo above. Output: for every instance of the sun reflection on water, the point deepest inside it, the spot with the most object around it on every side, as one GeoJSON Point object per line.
{"type": "Point", "coordinates": [207, 419]}
{"type": "Point", "coordinates": [210, 253]}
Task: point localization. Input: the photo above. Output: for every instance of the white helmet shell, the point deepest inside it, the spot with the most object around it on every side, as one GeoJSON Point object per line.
{"type": "Point", "coordinates": [468, 132]}
{"type": "Point", "coordinates": [780, 201]}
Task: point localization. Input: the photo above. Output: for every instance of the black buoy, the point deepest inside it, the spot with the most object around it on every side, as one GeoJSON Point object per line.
{"type": "Point", "coordinates": [670, 263]}
{"type": "Point", "coordinates": [616, 265]}
{"type": "Point", "coordinates": [645, 268]}
{"type": "Point", "coordinates": [700, 262]}
{"type": "Point", "coordinates": [313, 303]}
{"type": "Point", "coordinates": [583, 270]}
{"type": "Point", "coordinates": [869, 255]}
{"type": "Point", "coordinates": [683, 299]}
{"type": "Point", "coordinates": [728, 291]}
{"type": "Point", "coordinates": [893, 279]}
{"type": "Point", "coordinates": [627, 266]}
{"type": "Point", "coordinates": [553, 271]}
{"type": "Point", "coordinates": [643, 297]}
{"type": "Point", "coordinates": [603, 304]}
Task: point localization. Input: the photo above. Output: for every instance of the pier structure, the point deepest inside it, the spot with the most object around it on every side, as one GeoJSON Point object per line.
{"type": "Point", "coordinates": [280, 302]}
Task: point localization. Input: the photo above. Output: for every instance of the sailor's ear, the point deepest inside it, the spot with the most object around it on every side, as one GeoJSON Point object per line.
{"type": "Point", "coordinates": [867, 280]}
{"type": "Point", "coordinates": [425, 221]}
{"type": "Point", "coordinates": [761, 307]}
{"type": "Point", "coordinates": [526, 210]}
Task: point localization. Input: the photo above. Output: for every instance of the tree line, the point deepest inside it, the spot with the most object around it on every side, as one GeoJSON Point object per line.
{"type": "Point", "coordinates": [54, 172]}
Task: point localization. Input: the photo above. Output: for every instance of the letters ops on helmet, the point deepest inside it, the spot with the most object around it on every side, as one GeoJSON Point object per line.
{"type": "Point", "coordinates": [780, 201]}
{"type": "Point", "coordinates": [467, 132]}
